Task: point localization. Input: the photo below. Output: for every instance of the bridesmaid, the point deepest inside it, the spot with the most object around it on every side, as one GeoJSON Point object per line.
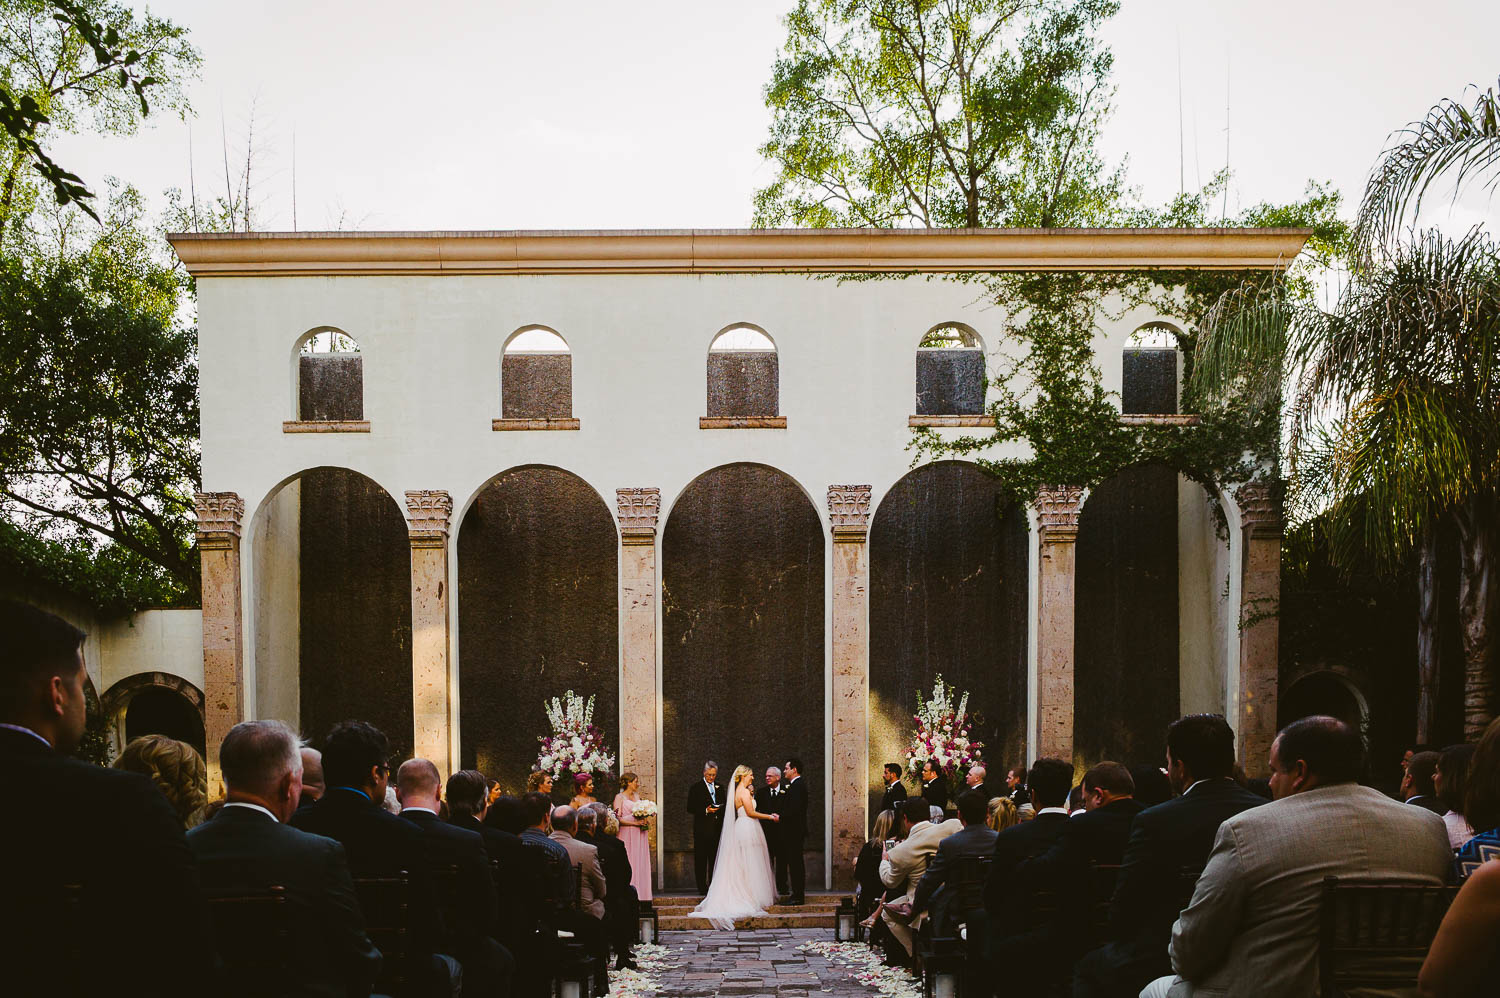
{"type": "Point", "coordinates": [633, 834]}
{"type": "Point", "coordinates": [584, 784]}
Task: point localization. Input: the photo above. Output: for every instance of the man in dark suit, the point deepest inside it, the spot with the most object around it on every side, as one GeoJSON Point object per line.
{"type": "Point", "coordinates": [706, 805]}
{"type": "Point", "coordinates": [1417, 785]}
{"type": "Point", "coordinates": [467, 794]}
{"type": "Point", "coordinates": [1009, 935]}
{"type": "Point", "coordinates": [110, 831]}
{"type": "Point", "coordinates": [976, 841]}
{"type": "Point", "coordinates": [768, 801]}
{"type": "Point", "coordinates": [895, 790]}
{"type": "Point", "coordinates": [1165, 841]}
{"type": "Point", "coordinates": [376, 842]}
{"type": "Point", "coordinates": [793, 829]}
{"type": "Point", "coordinates": [974, 781]}
{"type": "Point", "coordinates": [469, 911]}
{"type": "Point", "coordinates": [1015, 786]}
{"type": "Point", "coordinates": [934, 787]}
{"type": "Point", "coordinates": [248, 845]}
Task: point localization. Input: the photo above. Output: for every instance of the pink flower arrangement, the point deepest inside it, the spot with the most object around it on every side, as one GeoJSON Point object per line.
{"type": "Point", "coordinates": [575, 745]}
{"type": "Point", "coordinates": [943, 734]}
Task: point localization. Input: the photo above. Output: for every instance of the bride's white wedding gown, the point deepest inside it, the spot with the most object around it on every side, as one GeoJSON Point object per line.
{"type": "Point", "coordinates": [743, 883]}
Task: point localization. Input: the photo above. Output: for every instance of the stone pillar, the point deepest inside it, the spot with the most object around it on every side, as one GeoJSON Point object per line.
{"type": "Point", "coordinates": [849, 511]}
{"type": "Point", "coordinates": [219, 515]}
{"type": "Point", "coordinates": [1260, 626]}
{"type": "Point", "coordinates": [1058, 507]}
{"type": "Point", "coordinates": [638, 510]}
{"type": "Point", "coordinates": [427, 527]}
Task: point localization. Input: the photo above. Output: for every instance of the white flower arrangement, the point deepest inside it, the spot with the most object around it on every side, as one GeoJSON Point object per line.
{"type": "Point", "coordinates": [575, 745]}
{"type": "Point", "coordinates": [943, 734]}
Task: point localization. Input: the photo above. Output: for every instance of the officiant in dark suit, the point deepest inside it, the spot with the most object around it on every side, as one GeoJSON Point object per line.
{"type": "Point", "coordinates": [768, 801]}
{"type": "Point", "coordinates": [706, 805]}
{"type": "Point", "coordinates": [793, 828]}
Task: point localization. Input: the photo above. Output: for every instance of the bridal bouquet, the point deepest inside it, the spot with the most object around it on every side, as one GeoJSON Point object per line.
{"type": "Point", "coordinates": [575, 745]}
{"type": "Point", "coordinates": [943, 730]}
{"type": "Point", "coordinates": [644, 809]}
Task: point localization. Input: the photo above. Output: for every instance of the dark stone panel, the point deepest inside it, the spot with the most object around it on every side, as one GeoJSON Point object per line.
{"type": "Point", "coordinates": [1148, 383]}
{"type": "Point", "coordinates": [355, 607]}
{"type": "Point", "coordinates": [950, 382]}
{"type": "Point", "coordinates": [157, 710]}
{"type": "Point", "coordinates": [538, 615]}
{"type": "Point", "coordinates": [1126, 685]}
{"type": "Point", "coordinates": [948, 595]}
{"type": "Point", "coordinates": [743, 383]}
{"type": "Point", "coordinates": [331, 386]}
{"type": "Point", "coordinates": [536, 386]}
{"type": "Point", "coordinates": [742, 638]}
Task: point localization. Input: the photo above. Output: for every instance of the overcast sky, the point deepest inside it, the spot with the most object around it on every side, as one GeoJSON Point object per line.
{"type": "Point", "coordinates": [448, 114]}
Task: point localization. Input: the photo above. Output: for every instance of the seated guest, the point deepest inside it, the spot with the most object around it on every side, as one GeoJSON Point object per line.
{"type": "Point", "coordinates": [974, 782]}
{"type": "Point", "coordinates": [588, 902]}
{"type": "Point", "coordinates": [1482, 805]}
{"type": "Point", "coordinates": [621, 903]}
{"type": "Point", "coordinates": [70, 822]}
{"type": "Point", "coordinates": [470, 910]}
{"type": "Point", "coordinates": [1417, 786]}
{"type": "Point", "coordinates": [1075, 801]}
{"type": "Point", "coordinates": [175, 768]}
{"type": "Point", "coordinates": [469, 807]}
{"type": "Point", "coordinates": [895, 791]}
{"type": "Point", "coordinates": [1152, 785]}
{"type": "Point", "coordinates": [377, 843]}
{"type": "Point", "coordinates": [1011, 941]}
{"type": "Point", "coordinates": [1464, 957]}
{"type": "Point", "coordinates": [312, 775]}
{"type": "Point", "coordinates": [583, 794]}
{"type": "Point", "coordinates": [868, 888]}
{"type": "Point", "coordinates": [1164, 841]}
{"type": "Point", "coordinates": [934, 785]}
{"type": "Point", "coordinates": [1252, 926]}
{"type": "Point", "coordinates": [1451, 780]}
{"type": "Point", "coordinates": [249, 846]}
{"type": "Point", "coordinates": [542, 880]}
{"type": "Point", "coordinates": [1001, 814]}
{"type": "Point", "coordinates": [537, 836]}
{"type": "Point", "coordinates": [902, 868]}
{"type": "Point", "coordinates": [974, 841]}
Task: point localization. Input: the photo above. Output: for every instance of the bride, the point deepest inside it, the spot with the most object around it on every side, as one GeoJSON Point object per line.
{"type": "Point", "coordinates": [743, 885]}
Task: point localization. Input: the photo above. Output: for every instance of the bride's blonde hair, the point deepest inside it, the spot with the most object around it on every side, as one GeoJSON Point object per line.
{"type": "Point", "coordinates": [739, 771]}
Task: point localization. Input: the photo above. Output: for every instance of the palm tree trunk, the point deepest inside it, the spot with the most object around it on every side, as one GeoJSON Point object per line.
{"type": "Point", "coordinates": [1477, 605]}
{"type": "Point", "coordinates": [1429, 645]}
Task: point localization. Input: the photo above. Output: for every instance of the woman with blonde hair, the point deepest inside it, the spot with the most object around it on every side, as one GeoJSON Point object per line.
{"type": "Point", "coordinates": [539, 782]}
{"type": "Point", "coordinates": [743, 884]}
{"type": "Point", "coordinates": [868, 886]}
{"type": "Point", "coordinates": [1002, 814]}
{"type": "Point", "coordinates": [177, 770]}
{"type": "Point", "coordinates": [635, 833]}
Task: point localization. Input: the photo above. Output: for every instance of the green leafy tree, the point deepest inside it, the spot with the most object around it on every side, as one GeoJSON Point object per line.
{"type": "Point", "coordinates": [939, 113]}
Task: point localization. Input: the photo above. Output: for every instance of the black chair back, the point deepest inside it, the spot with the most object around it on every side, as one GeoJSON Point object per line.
{"type": "Point", "coordinates": [385, 903]}
{"type": "Point", "coordinates": [252, 931]}
{"type": "Point", "coordinates": [1375, 934]}
{"type": "Point", "coordinates": [445, 892]}
{"type": "Point", "coordinates": [1101, 888]}
{"type": "Point", "coordinates": [967, 884]}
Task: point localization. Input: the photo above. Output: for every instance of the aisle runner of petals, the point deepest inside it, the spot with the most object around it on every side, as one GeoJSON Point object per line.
{"type": "Point", "coordinates": [866, 967]}
{"type": "Point", "coordinates": [652, 961]}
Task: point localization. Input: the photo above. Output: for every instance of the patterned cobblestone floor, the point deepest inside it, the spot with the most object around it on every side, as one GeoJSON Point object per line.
{"type": "Point", "coordinates": [754, 962]}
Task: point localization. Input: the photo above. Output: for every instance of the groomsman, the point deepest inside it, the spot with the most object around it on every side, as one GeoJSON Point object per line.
{"type": "Point", "coordinates": [793, 831]}
{"type": "Point", "coordinates": [895, 790]}
{"type": "Point", "coordinates": [706, 805]}
{"type": "Point", "coordinates": [768, 801]}
{"type": "Point", "coordinates": [934, 787]}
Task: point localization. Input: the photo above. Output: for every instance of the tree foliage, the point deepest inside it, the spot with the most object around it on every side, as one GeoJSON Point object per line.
{"type": "Point", "coordinates": [939, 113]}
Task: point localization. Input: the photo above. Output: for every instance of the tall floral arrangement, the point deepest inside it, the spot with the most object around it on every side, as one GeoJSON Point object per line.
{"type": "Point", "coordinates": [943, 733]}
{"type": "Point", "coordinates": [575, 745]}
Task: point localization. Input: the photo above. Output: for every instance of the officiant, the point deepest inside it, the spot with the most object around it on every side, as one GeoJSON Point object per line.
{"type": "Point", "coordinates": [768, 800]}
{"type": "Point", "coordinates": [706, 805]}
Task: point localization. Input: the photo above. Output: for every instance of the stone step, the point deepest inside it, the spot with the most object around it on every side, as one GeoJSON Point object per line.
{"type": "Point", "coordinates": [808, 920]}
{"type": "Point", "coordinates": [678, 910]}
{"type": "Point", "coordinates": [816, 899]}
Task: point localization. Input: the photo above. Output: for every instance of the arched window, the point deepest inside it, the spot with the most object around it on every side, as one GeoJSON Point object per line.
{"type": "Point", "coordinates": [330, 378]}
{"type": "Point", "coordinates": [950, 372]}
{"type": "Point", "coordinates": [744, 381]}
{"type": "Point", "coordinates": [1149, 374]}
{"type": "Point", "coordinates": [536, 381]}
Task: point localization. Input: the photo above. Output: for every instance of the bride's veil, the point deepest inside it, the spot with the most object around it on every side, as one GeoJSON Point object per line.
{"type": "Point", "coordinates": [730, 807]}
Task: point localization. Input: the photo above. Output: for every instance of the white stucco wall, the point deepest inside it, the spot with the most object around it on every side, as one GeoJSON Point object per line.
{"type": "Point", "coordinates": [151, 641]}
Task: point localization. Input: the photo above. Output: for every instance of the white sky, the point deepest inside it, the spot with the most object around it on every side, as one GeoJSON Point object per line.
{"type": "Point", "coordinates": [472, 115]}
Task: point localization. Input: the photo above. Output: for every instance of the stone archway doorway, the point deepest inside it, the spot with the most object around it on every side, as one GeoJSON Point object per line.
{"type": "Point", "coordinates": [153, 703]}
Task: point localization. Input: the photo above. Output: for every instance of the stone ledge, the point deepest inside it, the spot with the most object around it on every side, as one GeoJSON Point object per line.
{"type": "Point", "coordinates": [550, 423]}
{"type": "Point", "coordinates": [1160, 419]}
{"type": "Point", "coordinates": [326, 426]}
{"type": "Point", "coordinates": [950, 421]}
{"type": "Point", "coordinates": [741, 422]}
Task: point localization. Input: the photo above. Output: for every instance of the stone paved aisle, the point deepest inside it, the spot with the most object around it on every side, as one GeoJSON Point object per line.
{"type": "Point", "coordinates": [754, 962]}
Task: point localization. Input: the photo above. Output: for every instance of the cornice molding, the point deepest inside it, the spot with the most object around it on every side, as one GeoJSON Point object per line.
{"type": "Point", "coordinates": [696, 251]}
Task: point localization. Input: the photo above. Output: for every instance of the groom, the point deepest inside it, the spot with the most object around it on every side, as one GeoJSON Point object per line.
{"type": "Point", "coordinates": [792, 831]}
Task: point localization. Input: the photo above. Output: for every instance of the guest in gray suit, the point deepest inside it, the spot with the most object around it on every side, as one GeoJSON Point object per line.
{"type": "Point", "coordinates": [1252, 927]}
{"type": "Point", "coordinates": [976, 841]}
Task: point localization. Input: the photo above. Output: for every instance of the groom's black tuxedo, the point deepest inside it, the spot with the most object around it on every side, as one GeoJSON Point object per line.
{"type": "Point", "coordinates": [706, 828]}
{"type": "Point", "coordinates": [768, 801]}
{"type": "Point", "coordinates": [793, 829]}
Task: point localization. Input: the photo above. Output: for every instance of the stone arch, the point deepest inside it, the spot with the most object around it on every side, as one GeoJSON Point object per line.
{"type": "Point", "coordinates": [744, 374]}
{"type": "Point", "coordinates": [538, 614]}
{"type": "Point", "coordinates": [327, 376]}
{"type": "Point", "coordinates": [1326, 690]}
{"type": "Point", "coordinates": [185, 722]}
{"type": "Point", "coordinates": [331, 604]}
{"type": "Point", "coordinates": [951, 379]}
{"type": "Point", "coordinates": [949, 596]}
{"type": "Point", "coordinates": [743, 623]}
{"type": "Point", "coordinates": [536, 374]}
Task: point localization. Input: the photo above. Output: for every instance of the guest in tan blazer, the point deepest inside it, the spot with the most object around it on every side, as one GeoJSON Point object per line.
{"type": "Point", "coordinates": [1252, 926]}
{"type": "Point", "coordinates": [585, 859]}
{"type": "Point", "coordinates": [902, 867]}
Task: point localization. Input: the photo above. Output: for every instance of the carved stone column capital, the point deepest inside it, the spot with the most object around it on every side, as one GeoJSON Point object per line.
{"type": "Point", "coordinates": [638, 510]}
{"type": "Point", "coordinates": [1260, 510]}
{"type": "Point", "coordinates": [849, 510]}
{"type": "Point", "coordinates": [1058, 507]}
{"type": "Point", "coordinates": [219, 517]}
{"type": "Point", "coordinates": [428, 513]}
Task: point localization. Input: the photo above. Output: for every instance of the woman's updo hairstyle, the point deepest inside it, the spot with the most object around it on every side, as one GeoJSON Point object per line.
{"type": "Point", "coordinates": [177, 770]}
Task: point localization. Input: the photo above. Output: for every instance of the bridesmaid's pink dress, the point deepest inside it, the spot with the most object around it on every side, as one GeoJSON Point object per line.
{"type": "Point", "coordinates": [637, 848]}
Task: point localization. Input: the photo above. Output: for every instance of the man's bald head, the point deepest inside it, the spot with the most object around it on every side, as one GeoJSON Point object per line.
{"type": "Point", "coordinates": [565, 819]}
{"type": "Point", "coordinates": [418, 784]}
{"type": "Point", "coordinates": [312, 773]}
